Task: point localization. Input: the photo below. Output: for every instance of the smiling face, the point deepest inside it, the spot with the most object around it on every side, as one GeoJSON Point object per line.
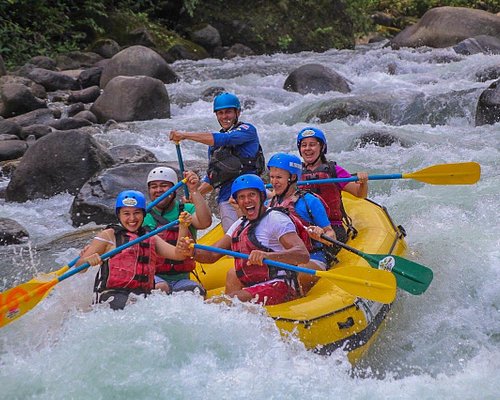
{"type": "Point", "coordinates": [310, 150]}
{"type": "Point", "coordinates": [131, 218]}
{"type": "Point", "coordinates": [279, 178]}
{"type": "Point", "coordinates": [249, 201]}
{"type": "Point", "coordinates": [156, 189]}
{"type": "Point", "coordinates": [227, 117]}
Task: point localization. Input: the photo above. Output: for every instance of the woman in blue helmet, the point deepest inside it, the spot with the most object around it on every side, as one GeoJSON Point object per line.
{"type": "Point", "coordinates": [284, 172]}
{"type": "Point", "coordinates": [133, 269]}
{"type": "Point", "coordinates": [233, 151]}
{"type": "Point", "coordinates": [312, 146]}
{"type": "Point", "coordinates": [260, 233]}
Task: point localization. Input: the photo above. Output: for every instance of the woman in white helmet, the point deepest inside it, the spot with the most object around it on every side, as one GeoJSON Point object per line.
{"type": "Point", "coordinates": [173, 276]}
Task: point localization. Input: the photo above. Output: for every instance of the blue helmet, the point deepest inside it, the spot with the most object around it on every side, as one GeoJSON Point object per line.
{"type": "Point", "coordinates": [130, 198]}
{"type": "Point", "coordinates": [288, 162]}
{"type": "Point", "coordinates": [247, 181]}
{"type": "Point", "coordinates": [226, 100]}
{"type": "Point", "coordinates": [314, 133]}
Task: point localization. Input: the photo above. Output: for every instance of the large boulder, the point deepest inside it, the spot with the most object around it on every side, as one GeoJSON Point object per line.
{"type": "Point", "coordinates": [106, 48]}
{"type": "Point", "coordinates": [137, 60]}
{"type": "Point", "coordinates": [479, 44]}
{"type": "Point", "coordinates": [18, 99]}
{"type": "Point", "coordinates": [11, 232]}
{"type": "Point", "coordinates": [12, 149]}
{"type": "Point", "coordinates": [132, 98]}
{"type": "Point", "coordinates": [35, 117]}
{"type": "Point", "coordinates": [52, 80]}
{"type": "Point", "coordinates": [9, 128]}
{"type": "Point", "coordinates": [95, 201]}
{"type": "Point", "coordinates": [58, 162]}
{"type": "Point", "coordinates": [131, 153]}
{"type": "Point", "coordinates": [488, 105]}
{"type": "Point", "coordinates": [315, 78]}
{"type": "Point", "coordinates": [447, 26]}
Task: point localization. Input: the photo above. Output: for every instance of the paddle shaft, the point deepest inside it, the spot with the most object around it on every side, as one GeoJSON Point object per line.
{"type": "Point", "coordinates": [111, 253]}
{"type": "Point", "coordinates": [265, 261]}
{"type": "Point", "coordinates": [465, 173]}
{"type": "Point", "coordinates": [363, 282]}
{"type": "Point", "coordinates": [166, 194]}
{"type": "Point", "coordinates": [410, 276]}
{"type": "Point", "coordinates": [181, 165]}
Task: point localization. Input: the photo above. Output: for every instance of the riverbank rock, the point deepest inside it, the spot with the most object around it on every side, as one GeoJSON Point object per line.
{"type": "Point", "coordinates": [52, 80]}
{"type": "Point", "coordinates": [137, 60]}
{"type": "Point", "coordinates": [479, 44]}
{"type": "Point", "coordinates": [131, 154]}
{"type": "Point", "coordinates": [281, 26]}
{"type": "Point", "coordinates": [12, 149]}
{"type": "Point", "coordinates": [58, 162]}
{"type": "Point", "coordinates": [95, 201]}
{"type": "Point", "coordinates": [132, 98]}
{"type": "Point", "coordinates": [447, 26]}
{"type": "Point", "coordinates": [11, 232]}
{"type": "Point", "coordinates": [42, 116]}
{"type": "Point", "coordinates": [488, 106]}
{"type": "Point", "coordinates": [18, 99]}
{"type": "Point", "coordinates": [315, 78]}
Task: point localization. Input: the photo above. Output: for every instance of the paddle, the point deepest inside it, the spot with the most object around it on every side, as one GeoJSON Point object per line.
{"type": "Point", "coordinates": [410, 276]}
{"type": "Point", "coordinates": [465, 173]}
{"type": "Point", "coordinates": [166, 194]}
{"type": "Point", "coordinates": [181, 165]}
{"type": "Point", "coordinates": [17, 301]}
{"type": "Point", "coordinates": [359, 281]}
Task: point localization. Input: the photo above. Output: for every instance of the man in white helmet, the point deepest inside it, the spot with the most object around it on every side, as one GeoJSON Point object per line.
{"type": "Point", "coordinates": [173, 276]}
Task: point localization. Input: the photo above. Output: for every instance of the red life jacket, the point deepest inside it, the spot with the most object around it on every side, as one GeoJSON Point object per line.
{"type": "Point", "coordinates": [244, 241]}
{"type": "Point", "coordinates": [300, 223]}
{"type": "Point", "coordinates": [133, 268]}
{"type": "Point", "coordinates": [330, 193]}
{"type": "Point", "coordinates": [166, 266]}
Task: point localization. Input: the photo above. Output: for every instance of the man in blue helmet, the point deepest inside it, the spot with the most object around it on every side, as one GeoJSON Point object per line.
{"type": "Point", "coordinates": [233, 151]}
{"type": "Point", "coordinates": [284, 172]}
{"type": "Point", "coordinates": [260, 233]}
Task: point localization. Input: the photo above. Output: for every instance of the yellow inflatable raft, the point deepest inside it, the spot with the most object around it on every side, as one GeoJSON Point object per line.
{"type": "Point", "coordinates": [329, 318]}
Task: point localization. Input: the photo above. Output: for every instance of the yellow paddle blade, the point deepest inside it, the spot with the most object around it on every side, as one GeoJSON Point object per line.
{"type": "Point", "coordinates": [465, 173]}
{"type": "Point", "coordinates": [17, 301]}
{"type": "Point", "coordinates": [368, 283]}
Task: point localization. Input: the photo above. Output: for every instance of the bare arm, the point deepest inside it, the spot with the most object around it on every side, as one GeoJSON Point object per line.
{"type": "Point", "coordinates": [210, 257]}
{"type": "Point", "coordinates": [295, 251]}
{"type": "Point", "coordinates": [200, 137]}
{"type": "Point", "coordinates": [360, 187]}
{"type": "Point", "coordinates": [98, 246]}
{"type": "Point", "coordinates": [315, 232]}
{"type": "Point", "coordinates": [202, 217]}
{"type": "Point", "coordinates": [205, 188]}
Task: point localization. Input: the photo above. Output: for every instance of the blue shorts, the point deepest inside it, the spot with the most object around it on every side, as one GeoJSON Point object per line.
{"type": "Point", "coordinates": [182, 285]}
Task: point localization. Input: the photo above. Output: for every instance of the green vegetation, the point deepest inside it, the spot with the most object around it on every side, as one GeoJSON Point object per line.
{"type": "Point", "coordinates": [40, 27]}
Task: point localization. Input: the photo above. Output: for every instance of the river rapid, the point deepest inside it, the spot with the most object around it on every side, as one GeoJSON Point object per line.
{"type": "Point", "coordinates": [443, 344]}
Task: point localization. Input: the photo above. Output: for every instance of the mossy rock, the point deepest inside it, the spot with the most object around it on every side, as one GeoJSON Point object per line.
{"type": "Point", "coordinates": [286, 25]}
{"type": "Point", "coordinates": [126, 28]}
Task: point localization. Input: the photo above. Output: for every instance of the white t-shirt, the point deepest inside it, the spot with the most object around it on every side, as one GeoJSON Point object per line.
{"type": "Point", "coordinates": [270, 229]}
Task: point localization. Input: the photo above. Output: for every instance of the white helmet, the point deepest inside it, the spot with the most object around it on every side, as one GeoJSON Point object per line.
{"type": "Point", "coordinates": [163, 174]}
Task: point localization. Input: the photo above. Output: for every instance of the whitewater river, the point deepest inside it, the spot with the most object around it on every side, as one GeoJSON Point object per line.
{"type": "Point", "coordinates": [443, 344]}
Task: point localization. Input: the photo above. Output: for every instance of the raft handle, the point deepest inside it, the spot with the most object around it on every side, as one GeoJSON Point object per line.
{"type": "Point", "coordinates": [349, 322]}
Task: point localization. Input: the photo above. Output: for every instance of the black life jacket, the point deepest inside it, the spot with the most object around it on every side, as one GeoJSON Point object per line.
{"type": "Point", "coordinates": [226, 165]}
